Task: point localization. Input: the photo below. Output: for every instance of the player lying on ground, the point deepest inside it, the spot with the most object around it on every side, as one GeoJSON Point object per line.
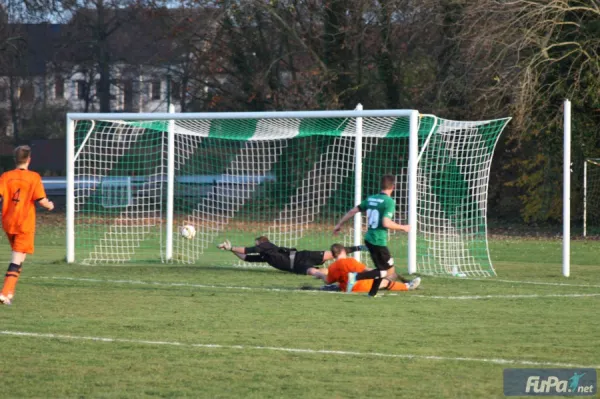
{"type": "Point", "coordinates": [20, 189]}
{"type": "Point", "coordinates": [338, 271]}
{"type": "Point", "coordinates": [282, 258]}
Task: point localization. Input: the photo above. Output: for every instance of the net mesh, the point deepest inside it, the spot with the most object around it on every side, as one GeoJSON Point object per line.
{"type": "Point", "coordinates": [290, 179]}
{"type": "Point", "coordinates": [592, 205]}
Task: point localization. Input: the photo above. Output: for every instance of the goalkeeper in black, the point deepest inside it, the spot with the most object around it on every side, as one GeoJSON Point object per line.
{"type": "Point", "coordinates": [282, 258]}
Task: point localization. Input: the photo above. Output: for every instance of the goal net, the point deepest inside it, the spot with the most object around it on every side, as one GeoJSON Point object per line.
{"type": "Point", "coordinates": [289, 176]}
{"type": "Point", "coordinates": [591, 193]}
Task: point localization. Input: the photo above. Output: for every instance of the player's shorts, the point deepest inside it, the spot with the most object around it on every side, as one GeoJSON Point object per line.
{"type": "Point", "coordinates": [365, 286]}
{"type": "Point", "coordinates": [304, 260]}
{"type": "Point", "coordinates": [381, 256]}
{"type": "Point", "coordinates": [21, 242]}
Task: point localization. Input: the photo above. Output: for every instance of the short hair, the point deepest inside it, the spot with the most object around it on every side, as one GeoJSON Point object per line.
{"type": "Point", "coordinates": [336, 249]}
{"type": "Point", "coordinates": [387, 182]}
{"type": "Point", "coordinates": [261, 239]}
{"type": "Point", "coordinates": [22, 154]}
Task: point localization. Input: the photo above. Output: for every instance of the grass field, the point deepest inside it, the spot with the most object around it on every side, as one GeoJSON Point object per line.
{"type": "Point", "coordinates": [203, 331]}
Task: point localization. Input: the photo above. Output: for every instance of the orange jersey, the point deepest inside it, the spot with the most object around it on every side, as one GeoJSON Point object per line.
{"type": "Point", "coordinates": [20, 189]}
{"type": "Point", "coordinates": [338, 271]}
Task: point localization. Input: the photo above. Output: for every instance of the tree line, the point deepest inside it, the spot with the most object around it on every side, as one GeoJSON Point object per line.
{"type": "Point", "coordinates": [459, 59]}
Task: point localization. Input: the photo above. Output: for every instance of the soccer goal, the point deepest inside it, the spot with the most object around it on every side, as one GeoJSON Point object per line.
{"type": "Point", "coordinates": [135, 179]}
{"type": "Point", "coordinates": [591, 193]}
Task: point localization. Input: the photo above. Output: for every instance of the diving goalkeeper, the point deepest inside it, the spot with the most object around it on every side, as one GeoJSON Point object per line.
{"type": "Point", "coordinates": [282, 258]}
{"type": "Point", "coordinates": [338, 273]}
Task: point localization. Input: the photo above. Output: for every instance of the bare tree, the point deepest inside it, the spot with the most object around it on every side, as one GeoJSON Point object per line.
{"type": "Point", "coordinates": [524, 51]}
{"type": "Point", "coordinates": [523, 57]}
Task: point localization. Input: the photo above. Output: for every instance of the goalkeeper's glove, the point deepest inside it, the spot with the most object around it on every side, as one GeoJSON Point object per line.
{"type": "Point", "coordinates": [225, 245]}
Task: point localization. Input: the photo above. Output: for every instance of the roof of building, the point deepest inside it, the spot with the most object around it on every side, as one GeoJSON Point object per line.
{"type": "Point", "coordinates": [30, 48]}
{"type": "Point", "coordinates": [133, 36]}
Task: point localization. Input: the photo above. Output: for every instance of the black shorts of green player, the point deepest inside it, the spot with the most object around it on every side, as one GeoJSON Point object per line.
{"type": "Point", "coordinates": [380, 209]}
{"type": "Point", "coordinates": [382, 259]}
{"type": "Point", "coordinates": [283, 258]}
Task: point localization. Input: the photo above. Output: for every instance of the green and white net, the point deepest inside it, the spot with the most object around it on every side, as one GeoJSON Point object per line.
{"type": "Point", "coordinates": [289, 179]}
{"type": "Point", "coordinates": [591, 219]}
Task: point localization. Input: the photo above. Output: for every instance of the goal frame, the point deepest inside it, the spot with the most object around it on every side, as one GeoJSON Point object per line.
{"type": "Point", "coordinates": [596, 162]}
{"type": "Point", "coordinates": [171, 117]}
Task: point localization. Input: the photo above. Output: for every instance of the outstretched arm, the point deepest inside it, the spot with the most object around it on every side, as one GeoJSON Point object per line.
{"type": "Point", "coordinates": [345, 218]}
{"type": "Point", "coordinates": [391, 225]}
{"type": "Point", "coordinates": [318, 274]}
{"type": "Point", "coordinates": [240, 252]}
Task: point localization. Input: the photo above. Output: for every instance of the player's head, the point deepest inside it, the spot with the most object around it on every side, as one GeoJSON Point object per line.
{"type": "Point", "coordinates": [261, 240]}
{"type": "Point", "coordinates": [338, 251]}
{"type": "Point", "coordinates": [22, 155]}
{"type": "Point", "coordinates": [388, 182]}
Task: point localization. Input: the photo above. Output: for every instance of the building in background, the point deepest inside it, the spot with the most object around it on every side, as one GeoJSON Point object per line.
{"type": "Point", "coordinates": [56, 68]}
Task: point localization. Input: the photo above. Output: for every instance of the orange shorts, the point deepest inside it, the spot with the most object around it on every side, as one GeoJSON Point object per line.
{"type": "Point", "coordinates": [21, 242]}
{"type": "Point", "coordinates": [365, 286]}
{"type": "Point", "coordinates": [362, 286]}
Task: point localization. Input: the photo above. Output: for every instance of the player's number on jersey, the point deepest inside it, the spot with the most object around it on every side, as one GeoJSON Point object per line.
{"type": "Point", "coordinates": [373, 218]}
{"type": "Point", "coordinates": [16, 195]}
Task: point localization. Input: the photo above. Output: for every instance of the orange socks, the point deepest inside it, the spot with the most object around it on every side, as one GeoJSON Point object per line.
{"type": "Point", "coordinates": [10, 280]}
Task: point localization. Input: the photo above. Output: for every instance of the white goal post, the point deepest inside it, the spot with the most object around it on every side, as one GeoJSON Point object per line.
{"type": "Point", "coordinates": [133, 179]}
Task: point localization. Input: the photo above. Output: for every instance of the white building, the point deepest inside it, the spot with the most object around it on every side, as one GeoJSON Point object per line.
{"type": "Point", "coordinates": [53, 71]}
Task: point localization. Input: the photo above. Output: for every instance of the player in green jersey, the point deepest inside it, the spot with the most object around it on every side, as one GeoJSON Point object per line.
{"type": "Point", "coordinates": [380, 210]}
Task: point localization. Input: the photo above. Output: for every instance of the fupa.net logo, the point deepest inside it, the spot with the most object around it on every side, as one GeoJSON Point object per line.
{"type": "Point", "coordinates": [546, 382]}
{"type": "Point", "coordinates": [554, 385]}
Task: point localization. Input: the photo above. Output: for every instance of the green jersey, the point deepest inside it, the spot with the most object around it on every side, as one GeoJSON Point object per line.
{"type": "Point", "coordinates": [378, 206]}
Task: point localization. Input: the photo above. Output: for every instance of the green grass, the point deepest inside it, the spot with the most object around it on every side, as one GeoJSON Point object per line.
{"type": "Point", "coordinates": [81, 301]}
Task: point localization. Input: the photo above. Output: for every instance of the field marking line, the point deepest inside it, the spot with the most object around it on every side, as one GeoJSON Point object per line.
{"type": "Point", "coordinates": [190, 285]}
{"type": "Point", "coordinates": [297, 350]}
{"type": "Point", "coordinates": [448, 297]}
{"type": "Point", "coordinates": [546, 283]}
{"type": "Point", "coordinates": [529, 282]}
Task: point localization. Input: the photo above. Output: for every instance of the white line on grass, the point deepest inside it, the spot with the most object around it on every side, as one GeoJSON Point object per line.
{"type": "Point", "coordinates": [495, 280]}
{"type": "Point", "coordinates": [297, 350]}
{"type": "Point", "coordinates": [517, 296]}
{"type": "Point", "coordinates": [451, 297]}
{"type": "Point", "coordinates": [537, 283]}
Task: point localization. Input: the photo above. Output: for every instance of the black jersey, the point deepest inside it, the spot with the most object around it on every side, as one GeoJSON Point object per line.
{"type": "Point", "coordinates": [278, 257]}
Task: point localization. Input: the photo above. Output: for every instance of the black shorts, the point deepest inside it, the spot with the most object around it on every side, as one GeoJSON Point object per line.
{"type": "Point", "coordinates": [381, 256]}
{"type": "Point", "coordinates": [304, 260]}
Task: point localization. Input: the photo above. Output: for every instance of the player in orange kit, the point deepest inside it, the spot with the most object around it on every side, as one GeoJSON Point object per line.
{"type": "Point", "coordinates": [338, 273]}
{"type": "Point", "coordinates": [20, 189]}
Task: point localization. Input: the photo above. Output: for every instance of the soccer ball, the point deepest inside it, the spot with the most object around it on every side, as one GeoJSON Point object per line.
{"type": "Point", "coordinates": [188, 231]}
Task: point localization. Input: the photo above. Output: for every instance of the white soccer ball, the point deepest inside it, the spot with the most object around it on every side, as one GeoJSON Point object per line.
{"type": "Point", "coordinates": [188, 231]}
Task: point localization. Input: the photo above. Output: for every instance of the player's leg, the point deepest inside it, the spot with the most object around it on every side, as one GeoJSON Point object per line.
{"type": "Point", "coordinates": [384, 264]}
{"type": "Point", "coordinates": [380, 271]}
{"type": "Point", "coordinates": [382, 260]}
{"type": "Point", "coordinates": [21, 244]}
